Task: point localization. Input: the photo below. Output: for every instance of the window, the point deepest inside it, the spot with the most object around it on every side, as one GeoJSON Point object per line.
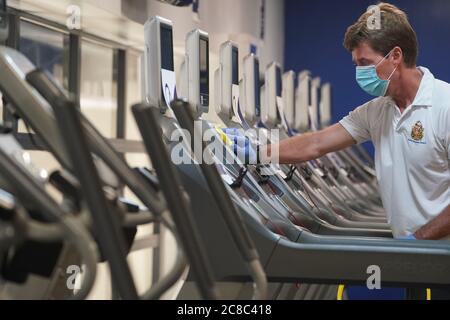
{"type": "Point", "coordinates": [45, 48]}
{"type": "Point", "coordinates": [134, 93]}
{"type": "Point", "coordinates": [98, 96]}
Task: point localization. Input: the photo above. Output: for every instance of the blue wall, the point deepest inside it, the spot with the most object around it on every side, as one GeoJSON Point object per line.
{"type": "Point", "coordinates": [315, 32]}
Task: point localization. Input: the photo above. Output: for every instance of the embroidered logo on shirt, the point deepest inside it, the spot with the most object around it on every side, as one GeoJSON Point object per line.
{"type": "Point", "coordinates": [417, 132]}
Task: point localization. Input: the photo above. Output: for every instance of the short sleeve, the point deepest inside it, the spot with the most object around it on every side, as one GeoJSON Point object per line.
{"type": "Point", "coordinates": [446, 126]}
{"type": "Point", "coordinates": [441, 115]}
{"type": "Point", "coordinates": [357, 124]}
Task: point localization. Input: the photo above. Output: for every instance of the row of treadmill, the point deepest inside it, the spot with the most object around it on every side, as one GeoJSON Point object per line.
{"type": "Point", "coordinates": [243, 231]}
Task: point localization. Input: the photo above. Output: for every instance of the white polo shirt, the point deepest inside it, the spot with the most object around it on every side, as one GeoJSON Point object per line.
{"type": "Point", "coordinates": [412, 152]}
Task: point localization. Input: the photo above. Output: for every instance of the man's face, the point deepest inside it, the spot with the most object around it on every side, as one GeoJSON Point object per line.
{"type": "Point", "coordinates": [363, 55]}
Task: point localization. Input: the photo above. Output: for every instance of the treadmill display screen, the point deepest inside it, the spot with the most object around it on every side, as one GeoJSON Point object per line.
{"type": "Point", "coordinates": [331, 99]}
{"type": "Point", "coordinates": [257, 89]}
{"type": "Point", "coordinates": [278, 87]}
{"type": "Point", "coordinates": [319, 98]}
{"type": "Point", "coordinates": [166, 48]}
{"type": "Point", "coordinates": [235, 66]}
{"type": "Point", "coordinates": [204, 72]}
{"type": "Point", "coordinates": [309, 92]}
{"type": "Point", "coordinates": [278, 81]}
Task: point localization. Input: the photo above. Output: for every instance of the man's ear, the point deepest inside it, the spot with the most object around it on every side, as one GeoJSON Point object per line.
{"type": "Point", "coordinates": [397, 56]}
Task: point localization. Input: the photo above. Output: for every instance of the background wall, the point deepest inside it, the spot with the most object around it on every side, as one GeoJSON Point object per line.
{"type": "Point", "coordinates": [315, 32]}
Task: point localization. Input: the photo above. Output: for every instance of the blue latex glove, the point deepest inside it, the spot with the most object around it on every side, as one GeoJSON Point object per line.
{"type": "Point", "coordinates": [408, 237]}
{"type": "Point", "coordinates": [242, 146]}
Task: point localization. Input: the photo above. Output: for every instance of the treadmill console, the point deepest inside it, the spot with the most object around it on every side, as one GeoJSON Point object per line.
{"type": "Point", "coordinates": [195, 72]}
{"type": "Point", "coordinates": [289, 97]}
{"type": "Point", "coordinates": [302, 102]}
{"type": "Point", "coordinates": [251, 100]}
{"type": "Point", "coordinates": [227, 81]}
{"type": "Point", "coordinates": [325, 105]}
{"type": "Point", "coordinates": [270, 116]}
{"type": "Point", "coordinates": [204, 72]}
{"type": "Point", "coordinates": [160, 81]}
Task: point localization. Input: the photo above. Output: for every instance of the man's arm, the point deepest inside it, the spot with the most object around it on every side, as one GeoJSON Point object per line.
{"type": "Point", "coordinates": [310, 146]}
{"type": "Point", "coordinates": [436, 229]}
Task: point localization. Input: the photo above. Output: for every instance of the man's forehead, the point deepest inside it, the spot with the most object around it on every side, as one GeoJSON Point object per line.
{"type": "Point", "coordinates": [363, 58]}
{"type": "Point", "coordinates": [364, 53]}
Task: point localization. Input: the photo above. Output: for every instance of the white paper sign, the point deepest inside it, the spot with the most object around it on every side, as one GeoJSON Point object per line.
{"type": "Point", "coordinates": [224, 174]}
{"type": "Point", "coordinates": [319, 172]}
{"type": "Point", "coordinates": [313, 117]}
{"type": "Point", "coordinates": [280, 107]}
{"type": "Point", "coordinates": [278, 171]}
{"type": "Point", "coordinates": [168, 83]}
{"type": "Point", "coordinates": [227, 178]}
{"type": "Point", "coordinates": [235, 101]}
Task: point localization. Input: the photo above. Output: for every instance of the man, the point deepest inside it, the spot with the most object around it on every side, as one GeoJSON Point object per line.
{"type": "Point", "coordinates": [408, 122]}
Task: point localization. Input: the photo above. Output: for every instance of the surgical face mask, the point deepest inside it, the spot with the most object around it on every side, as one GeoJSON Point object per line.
{"type": "Point", "coordinates": [369, 81]}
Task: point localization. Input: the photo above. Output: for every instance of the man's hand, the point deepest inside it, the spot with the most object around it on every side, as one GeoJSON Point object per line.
{"type": "Point", "coordinates": [242, 146]}
{"type": "Point", "coordinates": [301, 148]}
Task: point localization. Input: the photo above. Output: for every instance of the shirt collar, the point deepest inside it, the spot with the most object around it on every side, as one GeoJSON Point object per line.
{"type": "Point", "coordinates": [424, 96]}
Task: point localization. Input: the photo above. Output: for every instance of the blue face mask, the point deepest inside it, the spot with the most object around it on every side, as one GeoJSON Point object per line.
{"type": "Point", "coordinates": [369, 81]}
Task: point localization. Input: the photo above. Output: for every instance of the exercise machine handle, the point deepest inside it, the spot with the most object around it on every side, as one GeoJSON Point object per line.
{"type": "Point", "coordinates": [106, 222]}
{"type": "Point", "coordinates": [170, 183]}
